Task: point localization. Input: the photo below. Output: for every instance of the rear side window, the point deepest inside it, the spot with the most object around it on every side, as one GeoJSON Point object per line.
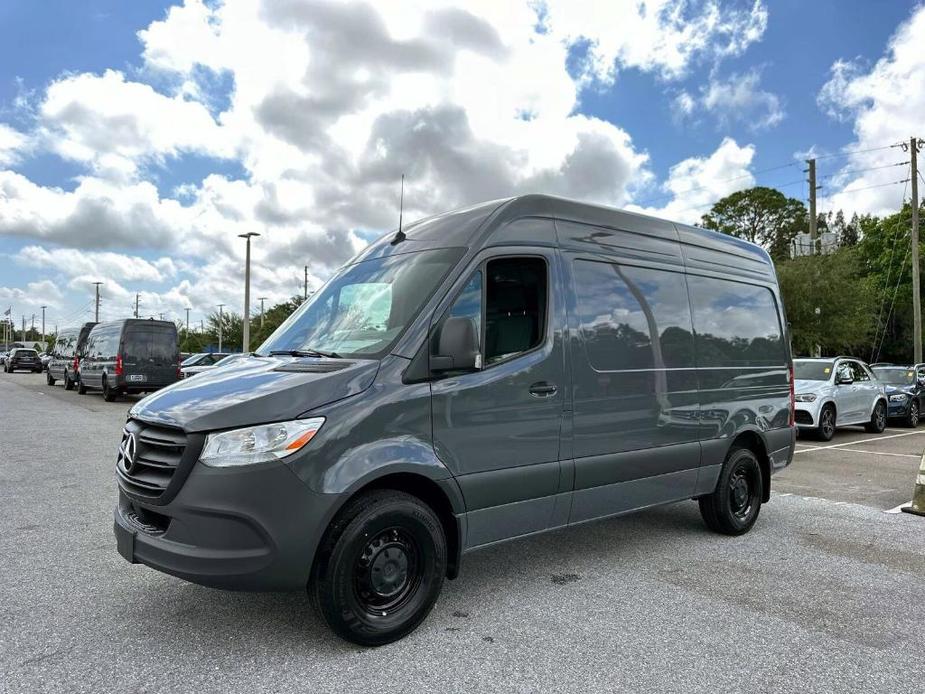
{"type": "Point", "coordinates": [633, 318]}
{"type": "Point", "coordinates": [735, 324]}
{"type": "Point", "coordinates": [152, 345]}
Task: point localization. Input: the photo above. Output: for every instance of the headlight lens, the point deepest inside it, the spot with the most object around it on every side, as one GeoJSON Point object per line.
{"type": "Point", "coordinates": [259, 444]}
{"type": "Point", "coordinates": [805, 397]}
{"type": "Point", "coordinates": [898, 397]}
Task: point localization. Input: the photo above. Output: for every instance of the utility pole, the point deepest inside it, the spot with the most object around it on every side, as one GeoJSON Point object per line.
{"type": "Point", "coordinates": [305, 291]}
{"type": "Point", "coordinates": [261, 300]}
{"type": "Point", "coordinates": [24, 329]}
{"type": "Point", "coordinates": [914, 145]}
{"type": "Point", "coordinates": [97, 315]}
{"type": "Point", "coordinates": [44, 346]}
{"type": "Point", "coordinates": [32, 329]}
{"type": "Point", "coordinates": [812, 204]}
{"type": "Point", "coordinates": [246, 340]}
{"type": "Point", "coordinates": [137, 294]}
{"type": "Point", "coordinates": [220, 321]}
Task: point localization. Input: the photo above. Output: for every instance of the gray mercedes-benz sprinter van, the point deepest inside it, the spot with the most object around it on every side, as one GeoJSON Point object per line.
{"type": "Point", "coordinates": [502, 370]}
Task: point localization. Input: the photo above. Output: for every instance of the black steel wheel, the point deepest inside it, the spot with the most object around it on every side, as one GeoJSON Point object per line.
{"type": "Point", "coordinates": [380, 567]}
{"type": "Point", "coordinates": [68, 383]}
{"type": "Point", "coordinates": [734, 505]}
{"type": "Point", "coordinates": [877, 421]}
{"type": "Point", "coordinates": [48, 379]}
{"type": "Point", "coordinates": [81, 388]}
{"type": "Point", "coordinates": [826, 429]}
{"type": "Point", "coordinates": [109, 393]}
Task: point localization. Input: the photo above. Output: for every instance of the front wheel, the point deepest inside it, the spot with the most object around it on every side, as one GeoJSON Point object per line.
{"type": "Point", "coordinates": [733, 507]}
{"type": "Point", "coordinates": [877, 421]}
{"type": "Point", "coordinates": [380, 568]}
{"type": "Point", "coordinates": [912, 419]}
{"type": "Point", "coordinates": [826, 429]}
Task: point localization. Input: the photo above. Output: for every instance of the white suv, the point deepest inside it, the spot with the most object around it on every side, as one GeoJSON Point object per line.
{"type": "Point", "coordinates": [837, 392]}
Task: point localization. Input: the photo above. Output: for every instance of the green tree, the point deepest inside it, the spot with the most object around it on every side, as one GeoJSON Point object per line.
{"type": "Point", "coordinates": [761, 215]}
{"type": "Point", "coordinates": [829, 302]}
{"type": "Point", "coordinates": [232, 330]}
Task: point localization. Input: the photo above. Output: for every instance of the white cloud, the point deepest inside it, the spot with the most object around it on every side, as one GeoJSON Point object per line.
{"type": "Point", "coordinates": [736, 99]}
{"type": "Point", "coordinates": [696, 183]}
{"type": "Point", "coordinates": [12, 142]}
{"type": "Point", "coordinates": [886, 103]}
{"type": "Point", "coordinates": [329, 104]}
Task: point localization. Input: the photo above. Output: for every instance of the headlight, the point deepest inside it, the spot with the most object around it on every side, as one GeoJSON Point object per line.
{"type": "Point", "coordinates": [898, 397]}
{"type": "Point", "coordinates": [805, 397]}
{"type": "Point", "coordinates": [259, 444]}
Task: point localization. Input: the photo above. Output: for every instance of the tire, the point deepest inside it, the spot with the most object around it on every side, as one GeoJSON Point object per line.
{"type": "Point", "coordinates": [912, 419]}
{"type": "Point", "coordinates": [68, 383]}
{"type": "Point", "coordinates": [109, 394]}
{"type": "Point", "coordinates": [81, 388]}
{"type": "Point", "coordinates": [733, 507]}
{"type": "Point", "coordinates": [877, 422]}
{"type": "Point", "coordinates": [48, 379]}
{"type": "Point", "coordinates": [380, 568]}
{"type": "Point", "coordinates": [826, 428]}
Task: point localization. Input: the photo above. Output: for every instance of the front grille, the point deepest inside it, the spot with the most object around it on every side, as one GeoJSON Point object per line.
{"type": "Point", "coordinates": [803, 417]}
{"type": "Point", "coordinates": [147, 465]}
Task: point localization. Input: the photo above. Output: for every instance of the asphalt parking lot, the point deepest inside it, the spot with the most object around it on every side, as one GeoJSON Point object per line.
{"type": "Point", "coordinates": [824, 594]}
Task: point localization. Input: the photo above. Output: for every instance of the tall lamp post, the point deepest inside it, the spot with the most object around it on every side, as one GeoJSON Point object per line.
{"type": "Point", "coordinates": [246, 342]}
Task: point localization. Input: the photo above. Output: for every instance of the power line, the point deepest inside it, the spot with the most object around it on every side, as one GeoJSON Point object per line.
{"type": "Point", "coordinates": [872, 168]}
{"type": "Point", "coordinates": [854, 151]}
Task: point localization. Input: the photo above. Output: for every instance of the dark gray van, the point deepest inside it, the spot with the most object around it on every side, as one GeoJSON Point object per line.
{"type": "Point", "coordinates": [66, 354]}
{"type": "Point", "coordinates": [499, 371]}
{"type": "Point", "coordinates": [130, 356]}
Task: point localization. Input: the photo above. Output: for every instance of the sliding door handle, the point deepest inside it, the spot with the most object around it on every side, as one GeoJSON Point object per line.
{"type": "Point", "coordinates": [542, 389]}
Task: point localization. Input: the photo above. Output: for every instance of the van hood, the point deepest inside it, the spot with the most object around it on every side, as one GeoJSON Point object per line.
{"type": "Point", "coordinates": [255, 390]}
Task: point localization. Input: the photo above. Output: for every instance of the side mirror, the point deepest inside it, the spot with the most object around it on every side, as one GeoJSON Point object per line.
{"type": "Point", "coordinates": [457, 346]}
{"type": "Point", "coordinates": [844, 379]}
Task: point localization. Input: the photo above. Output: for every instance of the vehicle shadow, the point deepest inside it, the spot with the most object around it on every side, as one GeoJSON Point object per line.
{"type": "Point", "coordinates": [191, 614]}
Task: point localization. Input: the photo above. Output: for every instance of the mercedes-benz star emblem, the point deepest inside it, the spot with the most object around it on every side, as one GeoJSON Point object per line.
{"type": "Point", "coordinates": [129, 450]}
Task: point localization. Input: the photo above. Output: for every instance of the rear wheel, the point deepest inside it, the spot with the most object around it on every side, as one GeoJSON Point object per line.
{"type": "Point", "coordinates": [912, 419]}
{"type": "Point", "coordinates": [68, 383]}
{"type": "Point", "coordinates": [733, 507]}
{"type": "Point", "coordinates": [380, 568]}
{"type": "Point", "coordinates": [81, 388]}
{"type": "Point", "coordinates": [109, 393]}
{"type": "Point", "coordinates": [877, 421]}
{"type": "Point", "coordinates": [48, 379]}
{"type": "Point", "coordinates": [826, 429]}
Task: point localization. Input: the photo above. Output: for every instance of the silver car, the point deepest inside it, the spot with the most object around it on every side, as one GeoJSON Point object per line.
{"type": "Point", "coordinates": [837, 392]}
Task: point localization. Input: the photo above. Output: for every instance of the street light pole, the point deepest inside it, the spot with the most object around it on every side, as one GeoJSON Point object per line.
{"type": "Point", "coordinates": [44, 346]}
{"type": "Point", "coordinates": [246, 342]}
{"type": "Point", "coordinates": [97, 314]}
{"type": "Point", "coordinates": [261, 300]}
{"type": "Point", "coordinates": [220, 321]}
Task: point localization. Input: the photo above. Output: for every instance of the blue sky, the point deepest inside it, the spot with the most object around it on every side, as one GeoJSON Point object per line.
{"type": "Point", "coordinates": [210, 137]}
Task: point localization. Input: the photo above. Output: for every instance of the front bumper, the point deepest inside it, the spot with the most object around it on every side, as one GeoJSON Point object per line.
{"type": "Point", "coordinates": [248, 528]}
{"type": "Point", "coordinates": [897, 409]}
{"type": "Point", "coordinates": [806, 414]}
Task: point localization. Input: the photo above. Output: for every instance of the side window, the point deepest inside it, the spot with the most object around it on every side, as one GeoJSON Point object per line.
{"type": "Point", "coordinates": [844, 370]}
{"type": "Point", "coordinates": [515, 307]}
{"type": "Point", "coordinates": [859, 372]}
{"type": "Point", "coordinates": [736, 324]}
{"type": "Point", "coordinates": [633, 318]}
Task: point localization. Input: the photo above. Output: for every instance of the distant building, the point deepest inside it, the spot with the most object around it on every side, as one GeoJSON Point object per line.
{"type": "Point", "coordinates": [802, 244]}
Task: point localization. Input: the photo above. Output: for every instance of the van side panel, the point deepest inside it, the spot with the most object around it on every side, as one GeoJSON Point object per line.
{"type": "Point", "coordinates": [635, 426]}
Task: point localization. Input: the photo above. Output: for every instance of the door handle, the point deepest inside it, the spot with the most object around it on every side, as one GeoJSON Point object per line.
{"type": "Point", "coordinates": [542, 389]}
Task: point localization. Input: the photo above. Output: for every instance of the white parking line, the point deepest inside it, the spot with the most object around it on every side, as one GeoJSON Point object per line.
{"type": "Point", "coordinates": [869, 438]}
{"type": "Point", "coordinates": [899, 508]}
{"type": "Point", "coordinates": [895, 455]}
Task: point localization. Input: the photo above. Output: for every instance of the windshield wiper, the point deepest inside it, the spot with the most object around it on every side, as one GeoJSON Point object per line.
{"type": "Point", "coordinates": [304, 353]}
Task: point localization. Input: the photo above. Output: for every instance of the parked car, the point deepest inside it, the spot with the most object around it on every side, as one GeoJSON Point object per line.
{"type": "Point", "coordinates": [130, 356]}
{"type": "Point", "coordinates": [500, 373]}
{"type": "Point", "coordinates": [3, 356]}
{"type": "Point", "coordinates": [837, 392]}
{"type": "Point", "coordinates": [66, 354]}
{"type": "Point", "coordinates": [905, 390]}
{"type": "Point", "coordinates": [199, 360]}
{"type": "Point", "coordinates": [187, 371]}
{"type": "Point", "coordinates": [45, 357]}
{"type": "Point", "coordinates": [22, 359]}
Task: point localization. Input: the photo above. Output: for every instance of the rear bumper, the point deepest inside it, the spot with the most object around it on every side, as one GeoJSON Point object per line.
{"type": "Point", "coordinates": [781, 447]}
{"type": "Point", "coordinates": [253, 528]}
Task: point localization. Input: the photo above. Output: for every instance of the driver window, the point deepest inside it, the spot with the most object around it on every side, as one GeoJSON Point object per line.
{"type": "Point", "coordinates": [858, 371]}
{"type": "Point", "coordinates": [844, 371]}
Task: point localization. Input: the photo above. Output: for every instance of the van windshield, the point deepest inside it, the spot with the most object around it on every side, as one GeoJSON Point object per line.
{"type": "Point", "coordinates": [365, 307]}
{"type": "Point", "coordinates": [812, 370]}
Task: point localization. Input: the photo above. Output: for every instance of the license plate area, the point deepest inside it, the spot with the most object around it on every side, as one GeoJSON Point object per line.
{"type": "Point", "coordinates": [135, 378]}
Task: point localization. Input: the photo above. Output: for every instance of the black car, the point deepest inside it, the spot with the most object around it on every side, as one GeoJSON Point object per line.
{"type": "Point", "coordinates": [23, 359]}
{"type": "Point", "coordinates": [905, 389]}
{"type": "Point", "coordinates": [130, 356]}
{"type": "Point", "coordinates": [65, 356]}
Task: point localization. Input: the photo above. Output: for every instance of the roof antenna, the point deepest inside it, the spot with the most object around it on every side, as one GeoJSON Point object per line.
{"type": "Point", "coordinates": [400, 235]}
